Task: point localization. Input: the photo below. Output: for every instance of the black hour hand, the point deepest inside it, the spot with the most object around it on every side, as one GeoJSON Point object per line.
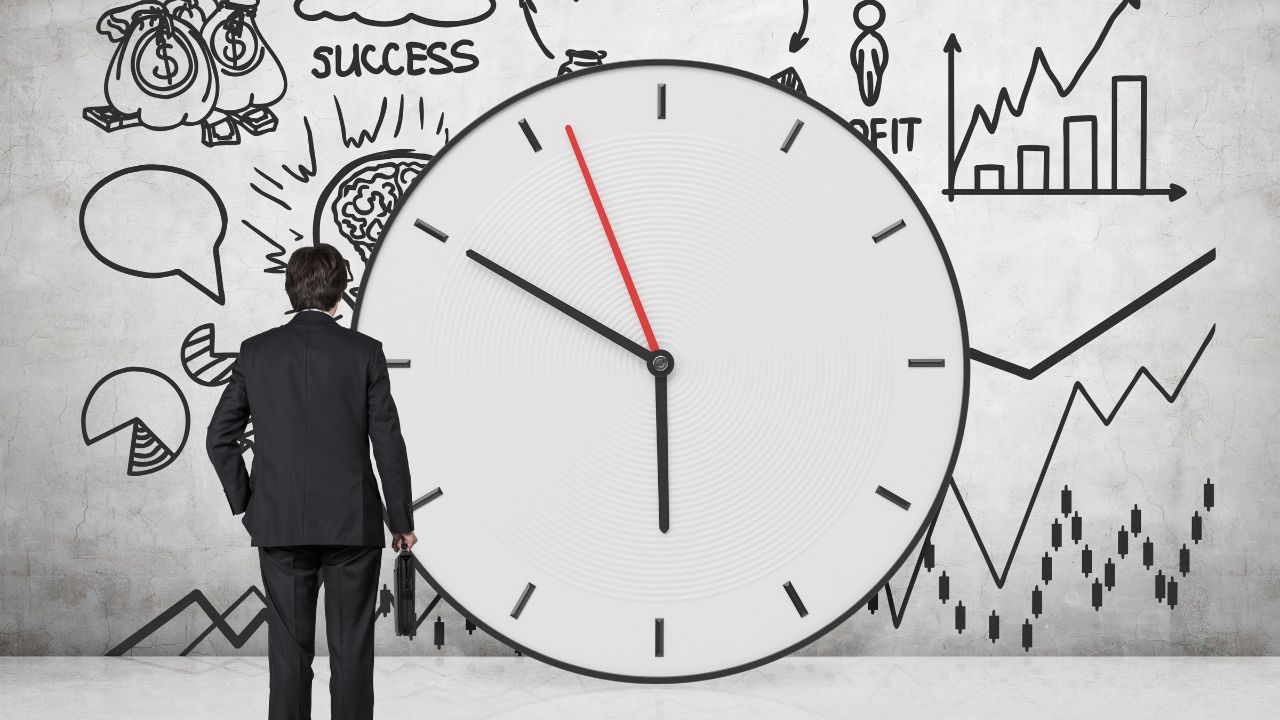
{"type": "Point", "coordinates": [562, 306]}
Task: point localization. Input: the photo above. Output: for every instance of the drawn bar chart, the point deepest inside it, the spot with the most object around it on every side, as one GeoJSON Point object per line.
{"type": "Point", "coordinates": [1027, 170]}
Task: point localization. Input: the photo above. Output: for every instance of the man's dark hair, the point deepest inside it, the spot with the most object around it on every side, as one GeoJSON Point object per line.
{"type": "Point", "coordinates": [315, 277]}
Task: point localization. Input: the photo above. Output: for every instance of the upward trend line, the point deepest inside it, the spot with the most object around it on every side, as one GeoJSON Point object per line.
{"type": "Point", "coordinates": [219, 620]}
{"type": "Point", "coordinates": [1004, 101]}
{"type": "Point", "coordinates": [1078, 390]}
{"type": "Point", "coordinates": [249, 629]}
{"type": "Point", "coordinates": [1097, 330]}
{"type": "Point", "coordinates": [1038, 60]}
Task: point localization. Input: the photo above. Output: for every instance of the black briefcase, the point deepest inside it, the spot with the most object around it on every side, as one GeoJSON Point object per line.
{"type": "Point", "coordinates": [406, 605]}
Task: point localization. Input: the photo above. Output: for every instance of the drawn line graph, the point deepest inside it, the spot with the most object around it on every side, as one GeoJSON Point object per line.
{"type": "Point", "coordinates": [1037, 183]}
{"type": "Point", "coordinates": [896, 612]}
{"type": "Point", "coordinates": [1093, 333]}
{"type": "Point", "coordinates": [219, 622]}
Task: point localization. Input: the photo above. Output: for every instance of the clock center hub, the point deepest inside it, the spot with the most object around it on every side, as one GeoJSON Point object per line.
{"type": "Point", "coordinates": [662, 363]}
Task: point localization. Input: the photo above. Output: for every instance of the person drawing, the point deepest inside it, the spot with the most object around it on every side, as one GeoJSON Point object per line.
{"type": "Point", "coordinates": [869, 54]}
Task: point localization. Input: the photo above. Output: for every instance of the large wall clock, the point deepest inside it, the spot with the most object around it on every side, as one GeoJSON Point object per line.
{"type": "Point", "coordinates": [687, 362]}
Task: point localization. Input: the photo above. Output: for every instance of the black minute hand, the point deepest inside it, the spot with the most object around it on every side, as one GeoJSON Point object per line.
{"type": "Point", "coordinates": [631, 346]}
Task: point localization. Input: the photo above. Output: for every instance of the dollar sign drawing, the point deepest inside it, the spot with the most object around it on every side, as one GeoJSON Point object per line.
{"type": "Point", "coordinates": [235, 47]}
{"type": "Point", "coordinates": [170, 68]}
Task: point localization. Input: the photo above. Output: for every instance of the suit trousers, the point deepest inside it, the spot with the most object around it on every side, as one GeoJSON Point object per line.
{"type": "Point", "coordinates": [291, 578]}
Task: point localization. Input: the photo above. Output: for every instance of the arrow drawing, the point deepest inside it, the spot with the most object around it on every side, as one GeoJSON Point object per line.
{"type": "Point", "coordinates": [529, 11]}
{"type": "Point", "coordinates": [798, 39]}
{"type": "Point", "coordinates": [951, 48]}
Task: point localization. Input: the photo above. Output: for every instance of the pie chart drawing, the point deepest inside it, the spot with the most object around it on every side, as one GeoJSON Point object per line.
{"type": "Point", "coordinates": [122, 399]}
{"type": "Point", "coordinates": [202, 363]}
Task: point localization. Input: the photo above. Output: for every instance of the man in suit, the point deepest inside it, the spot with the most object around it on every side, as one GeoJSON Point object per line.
{"type": "Point", "coordinates": [319, 396]}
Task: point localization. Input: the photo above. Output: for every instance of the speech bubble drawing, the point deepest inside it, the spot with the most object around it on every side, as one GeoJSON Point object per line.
{"type": "Point", "coordinates": [156, 221]}
{"type": "Point", "coordinates": [387, 13]}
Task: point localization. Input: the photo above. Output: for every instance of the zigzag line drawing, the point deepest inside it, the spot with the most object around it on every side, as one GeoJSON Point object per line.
{"type": "Point", "coordinates": [276, 256]}
{"type": "Point", "coordinates": [1078, 390]}
{"type": "Point", "coordinates": [1038, 60]}
{"type": "Point", "coordinates": [363, 135]}
{"type": "Point", "coordinates": [218, 622]}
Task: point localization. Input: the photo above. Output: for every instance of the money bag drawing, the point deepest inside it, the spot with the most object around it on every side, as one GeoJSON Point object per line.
{"type": "Point", "coordinates": [176, 65]}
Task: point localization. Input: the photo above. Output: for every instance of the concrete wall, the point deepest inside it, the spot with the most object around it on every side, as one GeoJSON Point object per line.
{"type": "Point", "coordinates": [90, 554]}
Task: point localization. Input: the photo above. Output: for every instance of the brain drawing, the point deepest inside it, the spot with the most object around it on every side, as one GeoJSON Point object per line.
{"type": "Point", "coordinates": [362, 203]}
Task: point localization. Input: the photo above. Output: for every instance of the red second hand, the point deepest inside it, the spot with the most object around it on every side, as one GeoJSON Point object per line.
{"type": "Point", "coordinates": [613, 242]}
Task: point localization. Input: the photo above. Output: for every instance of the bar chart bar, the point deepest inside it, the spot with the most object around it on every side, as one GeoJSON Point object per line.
{"type": "Point", "coordinates": [1080, 152]}
{"type": "Point", "coordinates": [989, 177]}
{"type": "Point", "coordinates": [1033, 167]}
{"type": "Point", "coordinates": [1129, 132]}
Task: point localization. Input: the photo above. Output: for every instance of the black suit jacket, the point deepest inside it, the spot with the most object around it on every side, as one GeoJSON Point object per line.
{"type": "Point", "coordinates": [318, 394]}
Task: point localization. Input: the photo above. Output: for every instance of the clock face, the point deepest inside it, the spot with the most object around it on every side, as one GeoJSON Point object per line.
{"type": "Point", "coordinates": [687, 362]}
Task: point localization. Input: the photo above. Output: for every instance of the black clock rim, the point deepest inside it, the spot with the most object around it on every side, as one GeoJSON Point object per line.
{"type": "Point", "coordinates": [964, 342]}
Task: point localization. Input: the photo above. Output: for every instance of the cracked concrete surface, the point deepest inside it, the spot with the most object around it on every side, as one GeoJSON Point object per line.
{"type": "Point", "coordinates": [88, 555]}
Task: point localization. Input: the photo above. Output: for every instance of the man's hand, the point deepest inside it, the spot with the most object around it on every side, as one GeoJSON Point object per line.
{"type": "Point", "coordinates": [403, 541]}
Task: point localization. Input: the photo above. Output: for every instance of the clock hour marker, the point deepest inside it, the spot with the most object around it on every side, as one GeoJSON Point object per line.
{"type": "Point", "coordinates": [528, 135]}
{"type": "Point", "coordinates": [926, 363]}
{"type": "Point", "coordinates": [662, 101]}
{"type": "Point", "coordinates": [892, 497]}
{"type": "Point", "coordinates": [889, 231]}
{"type": "Point", "coordinates": [658, 649]}
{"type": "Point", "coordinates": [791, 136]}
{"type": "Point", "coordinates": [397, 363]}
{"type": "Point", "coordinates": [795, 598]}
{"type": "Point", "coordinates": [524, 598]}
{"type": "Point", "coordinates": [430, 230]}
{"type": "Point", "coordinates": [427, 498]}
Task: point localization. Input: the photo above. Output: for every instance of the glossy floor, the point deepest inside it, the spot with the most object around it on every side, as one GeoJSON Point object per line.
{"type": "Point", "coordinates": [501, 688]}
